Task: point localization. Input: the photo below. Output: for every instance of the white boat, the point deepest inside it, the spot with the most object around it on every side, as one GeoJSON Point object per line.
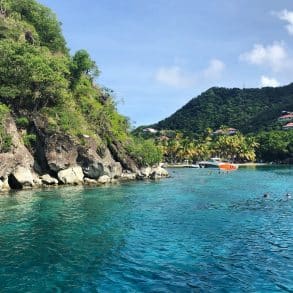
{"type": "Point", "coordinates": [211, 163]}
{"type": "Point", "coordinates": [193, 166]}
{"type": "Point", "coordinates": [218, 163]}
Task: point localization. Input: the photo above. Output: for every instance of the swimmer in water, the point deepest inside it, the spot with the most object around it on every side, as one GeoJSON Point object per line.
{"type": "Point", "coordinates": [266, 195]}
{"type": "Point", "coordinates": [288, 196]}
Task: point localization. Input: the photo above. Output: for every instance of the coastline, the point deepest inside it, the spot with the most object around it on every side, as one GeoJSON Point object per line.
{"type": "Point", "coordinates": [238, 164]}
{"type": "Point", "coordinates": [250, 164]}
{"type": "Point", "coordinates": [46, 181]}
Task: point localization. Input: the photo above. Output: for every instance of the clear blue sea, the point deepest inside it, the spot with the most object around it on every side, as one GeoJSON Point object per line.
{"type": "Point", "coordinates": [198, 231]}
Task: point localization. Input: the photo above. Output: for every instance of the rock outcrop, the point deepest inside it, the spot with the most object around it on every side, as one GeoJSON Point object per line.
{"type": "Point", "coordinates": [60, 151]}
{"type": "Point", "coordinates": [58, 159]}
{"type": "Point", "coordinates": [16, 166]}
{"type": "Point", "coordinates": [73, 175]}
{"type": "Point", "coordinates": [21, 177]}
{"type": "Point", "coordinates": [104, 179]}
{"type": "Point", "coordinates": [95, 165]}
{"type": "Point", "coordinates": [48, 180]}
{"type": "Point", "coordinates": [158, 172]}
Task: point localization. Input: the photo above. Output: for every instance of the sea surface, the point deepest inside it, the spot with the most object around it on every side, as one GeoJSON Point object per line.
{"type": "Point", "coordinates": [199, 231]}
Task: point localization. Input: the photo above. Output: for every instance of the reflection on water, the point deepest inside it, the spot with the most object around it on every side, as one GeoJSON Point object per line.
{"type": "Point", "coordinates": [199, 231]}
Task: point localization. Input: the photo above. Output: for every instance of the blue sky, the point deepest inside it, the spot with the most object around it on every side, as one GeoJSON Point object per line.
{"type": "Point", "coordinates": [158, 54]}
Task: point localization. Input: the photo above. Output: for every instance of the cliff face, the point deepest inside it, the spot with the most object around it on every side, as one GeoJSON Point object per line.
{"type": "Point", "coordinates": [57, 126]}
{"type": "Point", "coordinates": [59, 159]}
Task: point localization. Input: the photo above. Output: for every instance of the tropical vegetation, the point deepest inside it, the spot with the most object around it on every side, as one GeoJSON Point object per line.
{"type": "Point", "coordinates": [265, 146]}
{"type": "Point", "coordinates": [38, 76]}
{"type": "Point", "coordinates": [248, 110]}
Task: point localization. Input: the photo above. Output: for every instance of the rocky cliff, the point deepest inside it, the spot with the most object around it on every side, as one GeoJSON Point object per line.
{"type": "Point", "coordinates": [57, 125]}
{"type": "Point", "coordinates": [58, 159]}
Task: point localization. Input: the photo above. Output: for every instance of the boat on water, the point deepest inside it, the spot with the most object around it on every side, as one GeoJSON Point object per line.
{"type": "Point", "coordinates": [219, 164]}
{"type": "Point", "coordinates": [193, 166]}
{"type": "Point", "coordinates": [228, 167]}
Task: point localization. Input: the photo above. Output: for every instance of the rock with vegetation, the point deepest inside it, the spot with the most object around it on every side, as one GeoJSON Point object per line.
{"type": "Point", "coordinates": [56, 123]}
{"type": "Point", "coordinates": [16, 162]}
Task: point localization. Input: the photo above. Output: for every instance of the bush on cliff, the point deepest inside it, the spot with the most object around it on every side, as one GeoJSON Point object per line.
{"type": "Point", "coordinates": [5, 139]}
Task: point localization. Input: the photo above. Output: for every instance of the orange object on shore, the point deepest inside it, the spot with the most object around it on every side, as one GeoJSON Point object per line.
{"type": "Point", "coordinates": [228, 167]}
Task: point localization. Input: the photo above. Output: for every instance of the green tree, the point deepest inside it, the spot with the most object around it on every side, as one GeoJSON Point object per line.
{"type": "Point", "coordinates": [236, 147]}
{"type": "Point", "coordinates": [145, 152]}
{"type": "Point", "coordinates": [42, 18]}
{"type": "Point", "coordinates": [82, 64]}
{"type": "Point", "coordinates": [31, 76]}
{"type": "Point", "coordinates": [275, 145]}
{"type": "Point", "coordinates": [5, 139]}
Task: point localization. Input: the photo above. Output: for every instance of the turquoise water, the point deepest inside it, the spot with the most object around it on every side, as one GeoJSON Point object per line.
{"type": "Point", "coordinates": [198, 231]}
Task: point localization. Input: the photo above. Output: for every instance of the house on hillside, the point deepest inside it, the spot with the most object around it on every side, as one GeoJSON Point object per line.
{"type": "Point", "coordinates": [286, 117]}
{"type": "Point", "coordinates": [150, 130]}
{"type": "Point", "coordinates": [228, 131]}
{"type": "Point", "coordinates": [288, 126]}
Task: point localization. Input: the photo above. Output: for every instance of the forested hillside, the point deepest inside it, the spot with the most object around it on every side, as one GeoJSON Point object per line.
{"type": "Point", "coordinates": [248, 110]}
{"type": "Point", "coordinates": [53, 114]}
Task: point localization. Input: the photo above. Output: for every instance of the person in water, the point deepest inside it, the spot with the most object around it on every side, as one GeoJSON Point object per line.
{"type": "Point", "coordinates": [288, 196]}
{"type": "Point", "coordinates": [266, 195]}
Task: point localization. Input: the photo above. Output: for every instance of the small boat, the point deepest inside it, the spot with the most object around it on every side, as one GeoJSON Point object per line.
{"type": "Point", "coordinates": [228, 167]}
{"type": "Point", "coordinates": [211, 163]}
{"type": "Point", "coordinates": [218, 163]}
{"type": "Point", "coordinates": [193, 166]}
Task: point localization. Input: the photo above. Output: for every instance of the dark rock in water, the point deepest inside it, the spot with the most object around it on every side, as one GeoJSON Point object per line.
{"type": "Point", "coordinates": [159, 172]}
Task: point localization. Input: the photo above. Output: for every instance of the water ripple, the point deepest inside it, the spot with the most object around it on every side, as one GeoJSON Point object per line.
{"type": "Point", "coordinates": [196, 232]}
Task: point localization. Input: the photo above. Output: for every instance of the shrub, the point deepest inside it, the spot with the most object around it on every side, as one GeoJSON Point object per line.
{"type": "Point", "coordinates": [22, 122]}
{"type": "Point", "coordinates": [145, 152]}
{"type": "Point", "coordinates": [5, 139]}
{"type": "Point", "coordinates": [29, 140]}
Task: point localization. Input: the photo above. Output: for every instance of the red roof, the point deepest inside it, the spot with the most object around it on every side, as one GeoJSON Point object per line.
{"type": "Point", "coordinates": [286, 116]}
{"type": "Point", "coordinates": [290, 124]}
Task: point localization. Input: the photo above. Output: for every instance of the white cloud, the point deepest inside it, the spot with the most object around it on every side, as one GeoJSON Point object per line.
{"type": "Point", "coordinates": [176, 76]}
{"type": "Point", "coordinates": [215, 69]}
{"type": "Point", "coordinates": [268, 82]}
{"type": "Point", "coordinates": [274, 56]}
{"type": "Point", "coordinates": [288, 17]}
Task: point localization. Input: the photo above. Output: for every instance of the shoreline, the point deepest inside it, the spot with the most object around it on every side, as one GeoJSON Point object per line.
{"type": "Point", "coordinates": [251, 164]}
{"type": "Point", "coordinates": [84, 184]}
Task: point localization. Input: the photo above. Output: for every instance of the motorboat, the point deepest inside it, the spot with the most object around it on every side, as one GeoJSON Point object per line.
{"type": "Point", "coordinates": [193, 166]}
{"type": "Point", "coordinates": [219, 164]}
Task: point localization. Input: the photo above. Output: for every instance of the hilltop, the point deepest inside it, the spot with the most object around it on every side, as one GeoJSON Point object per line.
{"type": "Point", "coordinates": [248, 110]}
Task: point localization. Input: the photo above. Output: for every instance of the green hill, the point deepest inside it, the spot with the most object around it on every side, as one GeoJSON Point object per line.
{"type": "Point", "coordinates": [248, 110]}
{"type": "Point", "coordinates": [54, 117]}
